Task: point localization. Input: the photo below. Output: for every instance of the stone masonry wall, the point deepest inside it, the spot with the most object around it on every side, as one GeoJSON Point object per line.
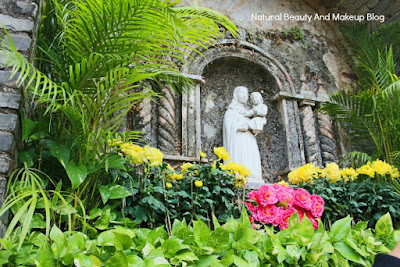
{"type": "Point", "coordinates": [21, 20]}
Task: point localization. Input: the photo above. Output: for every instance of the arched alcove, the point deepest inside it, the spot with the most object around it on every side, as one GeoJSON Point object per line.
{"type": "Point", "coordinates": [221, 76]}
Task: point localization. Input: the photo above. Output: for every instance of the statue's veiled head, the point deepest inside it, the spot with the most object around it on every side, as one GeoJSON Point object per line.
{"type": "Point", "coordinates": [240, 95]}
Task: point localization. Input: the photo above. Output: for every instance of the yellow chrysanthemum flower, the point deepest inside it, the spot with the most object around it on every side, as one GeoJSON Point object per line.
{"type": "Point", "coordinates": [153, 156]}
{"type": "Point", "coordinates": [284, 183]}
{"type": "Point", "coordinates": [305, 173]}
{"type": "Point", "coordinates": [221, 153]}
{"type": "Point", "coordinates": [186, 166]}
{"type": "Point", "coordinates": [349, 174]}
{"type": "Point", "coordinates": [134, 152]}
{"type": "Point", "coordinates": [235, 168]}
{"type": "Point", "coordinates": [332, 172]}
{"type": "Point", "coordinates": [198, 183]}
{"type": "Point", "coordinates": [169, 167]}
{"type": "Point", "coordinates": [202, 155]}
{"type": "Point", "coordinates": [168, 185]}
{"type": "Point", "coordinates": [367, 170]}
{"type": "Point", "coordinates": [381, 167]}
{"type": "Point", "coordinates": [394, 173]}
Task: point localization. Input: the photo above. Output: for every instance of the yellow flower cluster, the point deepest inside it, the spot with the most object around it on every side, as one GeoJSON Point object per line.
{"type": "Point", "coordinates": [309, 172]}
{"type": "Point", "coordinates": [186, 166]}
{"type": "Point", "coordinates": [284, 183]}
{"type": "Point", "coordinates": [367, 170]}
{"type": "Point", "coordinates": [305, 173]}
{"type": "Point", "coordinates": [235, 168]}
{"type": "Point", "coordinates": [332, 172]}
{"type": "Point", "coordinates": [349, 174]}
{"type": "Point", "coordinates": [381, 167]}
{"type": "Point", "coordinates": [140, 155]}
{"type": "Point", "coordinates": [221, 153]}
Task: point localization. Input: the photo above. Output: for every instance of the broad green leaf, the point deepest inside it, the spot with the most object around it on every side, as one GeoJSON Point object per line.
{"type": "Point", "coordinates": [114, 161]}
{"type": "Point", "coordinates": [57, 236]}
{"type": "Point", "coordinates": [201, 232]}
{"type": "Point", "coordinates": [134, 261]}
{"type": "Point", "coordinates": [240, 262]}
{"type": "Point", "coordinates": [207, 260]}
{"type": "Point", "coordinates": [187, 256]}
{"type": "Point", "coordinates": [76, 173]}
{"type": "Point", "coordinates": [340, 229]}
{"type": "Point", "coordinates": [251, 257]}
{"type": "Point", "coordinates": [104, 221]}
{"type": "Point", "coordinates": [45, 256]}
{"type": "Point", "coordinates": [38, 222]}
{"type": "Point", "coordinates": [4, 256]}
{"type": "Point", "coordinates": [228, 258]}
{"type": "Point", "coordinates": [384, 226]}
{"type": "Point", "coordinates": [113, 191]}
{"type": "Point", "coordinates": [61, 153]}
{"type": "Point", "coordinates": [215, 221]}
{"type": "Point", "coordinates": [347, 252]}
{"type": "Point", "coordinates": [81, 260]}
{"type": "Point", "coordinates": [28, 126]}
{"type": "Point", "coordinates": [244, 219]}
{"type": "Point", "coordinates": [118, 260]}
{"type": "Point", "coordinates": [171, 246]}
{"type": "Point", "coordinates": [219, 239]}
{"type": "Point", "coordinates": [306, 229]}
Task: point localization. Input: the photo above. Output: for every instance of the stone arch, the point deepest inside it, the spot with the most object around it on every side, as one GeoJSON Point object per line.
{"type": "Point", "coordinates": [241, 49]}
{"type": "Point", "coordinates": [288, 108]}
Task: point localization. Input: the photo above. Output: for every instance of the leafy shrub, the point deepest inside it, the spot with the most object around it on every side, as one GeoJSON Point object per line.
{"type": "Point", "coordinates": [233, 244]}
{"type": "Point", "coordinates": [160, 194]}
{"type": "Point", "coordinates": [364, 200]}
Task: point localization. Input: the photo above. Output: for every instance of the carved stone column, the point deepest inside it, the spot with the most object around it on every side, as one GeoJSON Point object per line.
{"type": "Point", "coordinates": [168, 140]}
{"type": "Point", "coordinates": [327, 138]}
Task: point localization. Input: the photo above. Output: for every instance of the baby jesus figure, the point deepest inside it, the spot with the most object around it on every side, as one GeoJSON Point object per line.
{"type": "Point", "coordinates": [257, 113]}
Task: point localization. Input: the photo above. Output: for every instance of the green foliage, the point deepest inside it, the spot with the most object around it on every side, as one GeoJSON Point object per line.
{"type": "Point", "coordinates": [234, 243]}
{"type": "Point", "coordinates": [370, 111]}
{"type": "Point", "coordinates": [154, 204]}
{"type": "Point", "coordinates": [95, 61]}
{"type": "Point", "coordinates": [363, 200]}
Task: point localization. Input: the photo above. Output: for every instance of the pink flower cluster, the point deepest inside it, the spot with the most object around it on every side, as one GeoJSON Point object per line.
{"type": "Point", "coordinates": [274, 204]}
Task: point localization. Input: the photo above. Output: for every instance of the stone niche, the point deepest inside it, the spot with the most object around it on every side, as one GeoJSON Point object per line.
{"type": "Point", "coordinates": [221, 76]}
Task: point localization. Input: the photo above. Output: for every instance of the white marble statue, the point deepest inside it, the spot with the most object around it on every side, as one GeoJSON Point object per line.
{"type": "Point", "coordinates": [238, 137]}
{"type": "Point", "coordinates": [257, 113]}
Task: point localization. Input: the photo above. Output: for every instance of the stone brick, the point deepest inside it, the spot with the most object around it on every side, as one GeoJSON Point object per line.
{"type": "Point", "coordinates": [8, 122]}
{"type": "Point", "coordinates": [9, 100]}
{"type": "Point", "coordinates": [372, 3]}
{"type": "Point", "coordinates": [5, 79]}
{"type": "Point", "coordinates": [5, 164]}
{"type": "Point", "coordinates": [20, 25]}
{"type": "Point", "coordinates": [4, 217]}
{"type": "Point", "coordinates": [29, 9]}
{"type": "Point", "coordinates": [22, 43]}
{"type": "Point", "coordinates": [7, 142]}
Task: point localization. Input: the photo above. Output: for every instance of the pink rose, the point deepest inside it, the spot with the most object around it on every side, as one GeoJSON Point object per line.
{"type": "Point", "coordinates": [285, 194]}
{"type": "Point", "coordinates": [268, 214]}
{"type": "Point", "coordinates": [317, 206]}
{"type": "Point", "coordinates": [284, 222]}
{"type": "Point", "coordinates": [302, 198]}
{"type": "Point", "coordinates": [266, 196]}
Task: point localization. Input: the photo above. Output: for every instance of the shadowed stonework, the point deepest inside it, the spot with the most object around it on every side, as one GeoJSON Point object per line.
{"type": "Point", "coordinates": [221, 77]}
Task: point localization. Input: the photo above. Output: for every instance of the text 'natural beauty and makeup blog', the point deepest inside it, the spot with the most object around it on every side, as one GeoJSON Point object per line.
{"type": "Point", "coordinates": [318, 17]}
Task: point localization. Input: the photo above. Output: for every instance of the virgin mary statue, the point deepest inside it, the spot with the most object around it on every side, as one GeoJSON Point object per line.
{"type": "Point", "coordinates": [238, 138]}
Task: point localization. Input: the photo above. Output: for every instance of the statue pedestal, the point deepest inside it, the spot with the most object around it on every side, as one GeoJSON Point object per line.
{"type": "Point", "coordinates": [255, 184]}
